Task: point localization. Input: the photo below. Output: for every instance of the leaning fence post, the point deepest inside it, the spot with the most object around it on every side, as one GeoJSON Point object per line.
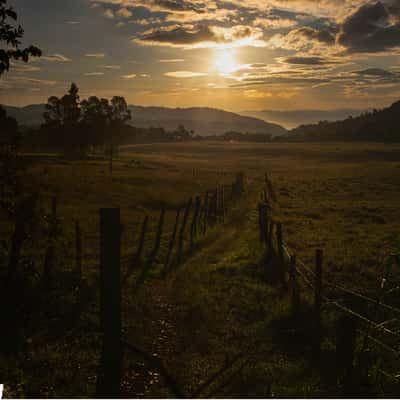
{"type": "Point", "coordinates": [172, 242]}
{"type": "Point", "coordinates": [346, 335]}
{"type": "Point", "coordinates": [152, 257]}
{"type": "Point", "coordinates": [281, 260]}
{"type": "Point", "coordinates": [78, 251]}
{"type": "Point", "coordinates": [108, 384]}
{"type": "Point", "coordinates": [182, 230]}
{"type": "Point", "coordinates": [50, 251]}
{"type": "Point", "coordinates": [318, 302]}
{"type": "Point", "coordinates": [193, 226]}
{"type": "Point", "coordinates": [294, 289]}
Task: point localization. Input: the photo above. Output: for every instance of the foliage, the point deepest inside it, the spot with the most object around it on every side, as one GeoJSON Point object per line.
{"type": "Point", "coordinates": [76, 125]}
{"type": "Point", "coordinates": [381, 126]}
{"type": "Point", "coordinates": [12, 36]}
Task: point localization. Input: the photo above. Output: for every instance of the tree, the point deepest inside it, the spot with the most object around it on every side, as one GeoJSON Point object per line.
{"type": "Point", "coordinates": [96, 118]}
{"type": "Point", "coordinates": [10, 163]}
{"type": "Point", "coordinates": [119, 116]}
{"type": "Point", "coordinates": [11, 35]}
{"type": "Point", "coordinates": [63, 118]}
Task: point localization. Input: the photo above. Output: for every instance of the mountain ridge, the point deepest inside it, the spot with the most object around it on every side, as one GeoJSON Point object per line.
{"type": "Point", "coordinates": [204, 121]}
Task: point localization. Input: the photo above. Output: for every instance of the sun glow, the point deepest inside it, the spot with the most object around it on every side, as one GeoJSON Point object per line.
{"type": "Point", "coordinates": [225, 61]}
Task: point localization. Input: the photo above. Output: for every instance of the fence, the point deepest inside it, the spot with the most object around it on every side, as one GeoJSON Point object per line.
{"type": "Point", "coordinates": [289, 270]}
{"type": "Point", "coordinates": [192, 220]}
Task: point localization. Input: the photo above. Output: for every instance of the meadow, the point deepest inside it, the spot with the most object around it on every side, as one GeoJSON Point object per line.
{"type": "Point", "coordinates": [214, 314]}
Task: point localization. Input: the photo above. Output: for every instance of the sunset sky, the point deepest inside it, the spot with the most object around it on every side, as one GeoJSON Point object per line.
{"type": "Point", "coordinates": [234, 54]}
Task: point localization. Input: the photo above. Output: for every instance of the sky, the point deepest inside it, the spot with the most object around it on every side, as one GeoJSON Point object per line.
{"type": "Point", "coordinates": [234, 54]}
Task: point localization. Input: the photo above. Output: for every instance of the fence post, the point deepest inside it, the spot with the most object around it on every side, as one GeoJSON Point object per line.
{"type": "Point", "coordinates": [182, 230]}
{"type": "Point", "coordinates": [262, 222]}
{"type": "Point", "coordinates": [16, 244]}
{"type": "Point", "coordinates": [108, 383]}
{"type": "Point", "coordinates": [318, 303]}
{"type": "Point", "coordinates": [78, 251]}
{"type": "Point", "coordinates": [172, 242]}
{"type": "Point", "coordinates": [205, 213]}
{"type": "Point", "coordinates": [152, 257]}
{"type": "Point", "coordinates": [294, 288]}
{"type": "Point", "coordinates": [281, 260]}
{"type": "Point", "coordinates": [193, 226]}
{"type": "Point", "coordinates": [346, 336]}
{"type": "Point", "coordinates": [50, 251]}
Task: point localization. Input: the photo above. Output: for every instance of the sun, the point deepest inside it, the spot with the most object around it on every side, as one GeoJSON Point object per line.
{"type": "Point", "coordinates": [225, 61]}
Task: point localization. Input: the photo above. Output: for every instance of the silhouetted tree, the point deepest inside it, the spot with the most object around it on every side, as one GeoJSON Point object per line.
{"type": "Point", "coordinates": [10, 163]}
{"type": "Point", "coordinates": [119, 116]}
{"type": "Point", "coordinates": [11, 35]}
{"type": "Point", "coordinates": [96, 118]}
{"type": "Point", "coordinates": [63, 121]}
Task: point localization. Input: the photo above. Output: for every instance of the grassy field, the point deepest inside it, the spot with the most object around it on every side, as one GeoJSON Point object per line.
{"type": "Point", "coordinates": [341, 197]}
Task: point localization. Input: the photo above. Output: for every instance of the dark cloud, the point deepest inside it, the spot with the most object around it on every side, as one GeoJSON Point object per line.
{"type": "Point", "coordinates": [377, 72]}
{"type": "Point", "coordinates": [188, 35]}
{"type": "Point", "coordinates": [374, 27]}
{"type": "Point", "coordinates": [322, 35]}
{"type": "Point", "coordinates": [308, 61]}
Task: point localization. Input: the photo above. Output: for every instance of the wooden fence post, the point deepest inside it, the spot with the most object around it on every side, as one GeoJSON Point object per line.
{"type": "Point", "coordinates": [108, 383]}
{"type": "Point", "coordinates": [152, 256]}
{"type": "Point", "coordinates": [294, 288]}
{"type": "Point", "coordinates": [182, 230]}
{"type": "Point", "coordinates": [193, 226]}
{"type": "Point", "coordinates": [262, 222]}
{"type": "Point", "coordinates": [50, 251]}
{"type": "Point", "coordinates": [137, 258]}
{"type": "Point", "coordinates": [172, 242]}
{"type": "Point", "coordinates": [346, 336]}
{"type": "Point", "coordinates": [205, 213]}
{"type": "Point", "coordinates": [223, 210]}
{"type": "Point", "coordinates": [78, 251]}
{"type": "Point", "coordinates": [318, 303]}
{"type": "Point", "coordinates": [281, 260]}
{"type": "Point", "coordinates": [16, 245]}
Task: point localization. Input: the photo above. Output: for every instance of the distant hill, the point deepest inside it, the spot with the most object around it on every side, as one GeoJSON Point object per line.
{"type": "Point", "coordinates": [291, 119]}
{"type": "Point", "coordinates": [204, 121]}
{"type": "Point", "coordinates": [377, 125]}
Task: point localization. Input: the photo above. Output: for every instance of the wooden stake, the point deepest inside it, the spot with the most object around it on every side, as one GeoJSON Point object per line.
{"type": "Point", "coordinates": [108, 384]}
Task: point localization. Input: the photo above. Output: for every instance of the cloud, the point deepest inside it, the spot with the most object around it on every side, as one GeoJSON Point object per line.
{"type": "Point", "coordinates": [110, 66]}
{"type": "Point", "coordinates": [109, 13]}
{"type": "Point", "coordinates": [171, 60]}
{"type": "Point", "coordinates": [189, 36]}
{"type": "Point", "coordinates": [95, 55]}
{"type": "Point", "coordinates": [130, 76]}
{"type": "Point", "coordinates": [185, 74]}
{"type": "Point", "coordinates": [124, 13]}
{"type": "Point", "coordinates": [93, 73]}
{"type": "Point", "coordinates": [308, 61]}
{"type": "Point", "coordinates": [374, 27]}
{"type": "Point", "coordinates": [55, 58]}
{"type": "Point", "coordinates": [376, 72]}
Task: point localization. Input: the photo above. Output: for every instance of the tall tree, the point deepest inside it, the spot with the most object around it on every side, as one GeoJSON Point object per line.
{"type": "Point", "coordinates": [11, 35]}
{"type": "Point", "coordinates": [62, 118]}
{"type": "Point", "coordinates": [96, 117]}
{"type": "Point", "coordinates": [120, 115]}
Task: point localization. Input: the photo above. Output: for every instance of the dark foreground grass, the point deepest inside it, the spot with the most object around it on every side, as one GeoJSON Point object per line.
{"type": "Point", "coordinates": [217, 311]}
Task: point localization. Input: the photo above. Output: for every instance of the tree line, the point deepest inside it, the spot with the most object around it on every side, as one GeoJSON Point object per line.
{"type": "Point", "coordinates": [377, 125]}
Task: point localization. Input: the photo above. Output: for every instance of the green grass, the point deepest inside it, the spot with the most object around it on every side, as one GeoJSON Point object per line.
{"type": "Point", "coordinates": [343, 198]}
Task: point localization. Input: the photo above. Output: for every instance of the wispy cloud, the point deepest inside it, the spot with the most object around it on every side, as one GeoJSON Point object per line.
{"type": "Point", "coordinates": [185, 74]}
{"type": "Point", "coordinates": [93, 73]}
{"type": "Point", "coordinates": [95, 55]}
{"type": "Point", "coordinates": [171, 60]}
{"type": "Point", "coordinates": [129, 76]}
